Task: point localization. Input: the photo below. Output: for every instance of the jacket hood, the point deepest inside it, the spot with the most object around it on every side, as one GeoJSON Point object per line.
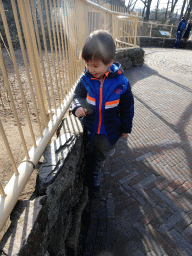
{"type": "Point", "coordinates": [115, 70]}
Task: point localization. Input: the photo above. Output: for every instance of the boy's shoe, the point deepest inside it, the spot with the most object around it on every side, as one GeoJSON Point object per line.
{"type": "Point", "coordinates": [97, 179]}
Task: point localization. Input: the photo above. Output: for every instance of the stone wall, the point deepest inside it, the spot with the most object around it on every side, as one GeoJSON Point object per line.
{"type": "Point", "coordinates": [130, 57]}
{"type": "Point", "coordinates": [163, 42]}
{"type": "Point", "coordinates": [50, 223]}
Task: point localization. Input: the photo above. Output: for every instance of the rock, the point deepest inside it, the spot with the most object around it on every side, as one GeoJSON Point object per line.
{"type": "Point", "coordinates": [73, 237]}
{"type": "Point", "coordinates": [54, 157]}
{"type": "Point", "coordinates": [128, 63]}
{"type": "Point", "coordinates": [130, 57]}
{"type": "Point", "coordinates": [50, 225]}
{"type": "Point", "coordinates": [120, 54]}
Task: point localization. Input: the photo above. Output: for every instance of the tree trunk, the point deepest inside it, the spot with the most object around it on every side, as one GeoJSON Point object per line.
{"type": "Point", "coordinates": [188, 11]}
{"type": "Point", "coordinates": [173, 7]}
{"type": "Point", "coordinates": [156, 10]}
{"type": "Point", "coordinates": [143, 13]}
{"type": "Point", "coordinates": [182, 9]}
{"type": "Point", "coordinates": [148, 9]}
{"type": "Point", "coordinates": [166, 10]}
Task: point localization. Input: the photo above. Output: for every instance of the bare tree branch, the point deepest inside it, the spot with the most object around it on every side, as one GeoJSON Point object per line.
{"type": "Point", "coordinates": [134, 5]}
{"type": "Point", "coordinates": [144, 2]}
{"type": "Point", "coordinates": [182, 9]}
{"type": "Point", "coordinates": [148, 9]}
{"type": "Point", "coordinates": [173, 4]}
{"type": "Point", "coordinates": [166, 10]}
{"type": "Point", "coordinates": [131, 4]}
{"type": "Point", "coordinates": [188, 10]}
{"type": "Point", "coordinates": [156, 9]}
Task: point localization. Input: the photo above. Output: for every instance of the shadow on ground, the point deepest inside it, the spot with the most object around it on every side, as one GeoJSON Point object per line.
{"type": "Point", "coordinates": [144, 204]}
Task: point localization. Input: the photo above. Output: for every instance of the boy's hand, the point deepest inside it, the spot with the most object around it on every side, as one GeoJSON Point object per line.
{"type": "Point", "coordinates": [123, 135]}
{"type": "Point", "coordinates": [81, 112]}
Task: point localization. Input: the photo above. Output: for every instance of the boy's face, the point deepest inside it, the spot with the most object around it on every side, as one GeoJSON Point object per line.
{"type": "Point", "coordinates": [97, 68]}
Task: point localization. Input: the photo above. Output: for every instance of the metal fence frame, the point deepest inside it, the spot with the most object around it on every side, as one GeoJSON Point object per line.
{"type": "Point", "coordinates": [51, 88]}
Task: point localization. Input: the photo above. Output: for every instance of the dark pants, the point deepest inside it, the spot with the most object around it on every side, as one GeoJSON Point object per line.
{"type": "Point", "coordinates": [100, 149]}
{"type": "Point", "coordinates": [178, 40]}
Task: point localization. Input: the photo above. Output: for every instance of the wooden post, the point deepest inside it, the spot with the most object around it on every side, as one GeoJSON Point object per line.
{"type": "Point", "coordinates": [171, 30]}
{"type": "Point", "coordinates": [150, 30]}
{"type": "Point", "coordinates": [135, 37]}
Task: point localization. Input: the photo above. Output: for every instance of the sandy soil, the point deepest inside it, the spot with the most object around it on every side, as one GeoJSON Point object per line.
{"type": "Point", "coordinates": [10, 125]}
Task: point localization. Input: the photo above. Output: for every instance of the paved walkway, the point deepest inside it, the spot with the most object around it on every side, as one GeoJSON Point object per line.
{"type": "Point", "coordinates": [144, 206]}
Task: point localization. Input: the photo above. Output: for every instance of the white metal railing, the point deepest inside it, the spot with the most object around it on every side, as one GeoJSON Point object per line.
{"type": "Point", "coordinates": [39, 67]}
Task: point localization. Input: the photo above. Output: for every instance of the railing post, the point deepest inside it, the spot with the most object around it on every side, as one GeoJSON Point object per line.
{"type": "Point", "coordinates": [135, 37]}
{"type": "Point", "coordinates": [2, 132]}
{"type": "Point", "coordinates": [2, 192]}
{"type": "Point", "coordinates": [171, 30]}
{"type": "Point", "coordinates": [28, 31]}
{"type": "Point", "coordinates": [151, 30]}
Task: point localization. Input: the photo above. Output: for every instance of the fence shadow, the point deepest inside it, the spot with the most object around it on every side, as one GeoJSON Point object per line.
{"type": "Point", "coordinates": [144, 204]}
{"type": "Point", "coordinates": [145, 71]}
{"type": "Point", "coordinates": [180, 126]}
{"type": "Point", "coordinates": [152, 208]}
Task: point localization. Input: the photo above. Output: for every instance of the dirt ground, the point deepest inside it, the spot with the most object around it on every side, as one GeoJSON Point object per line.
{"type": "Point", "coordinates": [10, 125]}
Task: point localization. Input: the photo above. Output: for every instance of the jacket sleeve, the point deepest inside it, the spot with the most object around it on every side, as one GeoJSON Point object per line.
{"type": "Point", "coordinates": [79, 98]}
{"type": "Point", "coordinates": [179, 26]}
{"type": "Point", "coordinates": [126, 110]}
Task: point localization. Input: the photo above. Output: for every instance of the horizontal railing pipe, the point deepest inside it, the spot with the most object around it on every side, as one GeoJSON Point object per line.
{"type": "Point", "coordinates": [118, 41]}
{"type": "Point", "coordinates": [101, 8]}
{"type": "Point", "coordinates": [126, 48]}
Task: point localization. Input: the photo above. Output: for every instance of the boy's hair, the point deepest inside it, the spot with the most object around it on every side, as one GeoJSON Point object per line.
{"type": "Point", "coordinates": [99, 46]}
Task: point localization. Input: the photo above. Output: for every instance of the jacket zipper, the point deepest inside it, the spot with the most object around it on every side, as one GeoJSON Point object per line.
{"type": "Point", "coordinates": [100, 106]}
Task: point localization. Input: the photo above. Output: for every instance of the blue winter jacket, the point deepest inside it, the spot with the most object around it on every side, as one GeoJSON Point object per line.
{"type": "Point", "coordinates": [182, 25]}
{"type": "Point", "coordinates": [109, 102]}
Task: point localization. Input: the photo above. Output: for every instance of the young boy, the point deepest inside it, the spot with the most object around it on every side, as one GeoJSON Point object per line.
{"type": "Point", "coordinates": [103, 100]}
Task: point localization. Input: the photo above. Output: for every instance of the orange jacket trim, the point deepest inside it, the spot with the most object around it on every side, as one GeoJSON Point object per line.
{"type": "Point", "coordinates": [112, 104]}
{"type": "Point", "coordinates": [91, 100]}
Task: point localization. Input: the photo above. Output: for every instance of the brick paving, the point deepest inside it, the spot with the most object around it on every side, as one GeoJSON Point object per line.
{"type": "Point", "coordinates": [144, 206]}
